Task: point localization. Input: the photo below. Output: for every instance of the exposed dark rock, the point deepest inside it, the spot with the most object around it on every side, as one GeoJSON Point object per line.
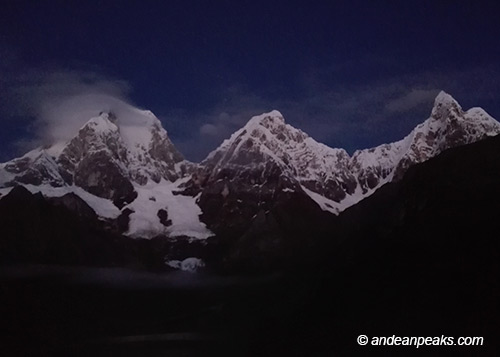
{"type": "Point", "coordinates": [230, 200]}
{"type": "Point", "coordinates": [164, 151]}
{"type": "Point", "coordinates": [18, 196]}
{"type": "Point", "coordinates": [35, 171]}
{"type": "Point", "coordinates": [18, 165]}
{"type": "Point", "coordinates": [123, 220]}
{"type": "Point", "coordinates": [98, 174]}
{"type": "Point", "coordinates": [163, 216]}
{"type": "Point", "coordinates": [181, 248]}
{"type": "Point", "coordinates": [287, 234]}
{"type": "Point", "coordinates": [75, 204]}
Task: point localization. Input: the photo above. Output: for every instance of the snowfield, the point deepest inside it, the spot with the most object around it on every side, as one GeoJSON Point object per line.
{"type": "Point", "coordinates": [182, 211]}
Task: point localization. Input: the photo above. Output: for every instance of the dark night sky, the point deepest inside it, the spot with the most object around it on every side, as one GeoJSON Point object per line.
{"type": "Point", "coordinates": [353, 75]}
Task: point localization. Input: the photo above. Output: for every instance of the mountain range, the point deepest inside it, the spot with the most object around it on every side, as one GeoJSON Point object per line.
{"type": "Point", "coordinates": [267, 181]}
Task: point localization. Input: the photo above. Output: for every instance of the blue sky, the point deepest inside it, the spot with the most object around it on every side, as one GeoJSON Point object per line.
{"type": "Point", "coordinates": [353, 74]}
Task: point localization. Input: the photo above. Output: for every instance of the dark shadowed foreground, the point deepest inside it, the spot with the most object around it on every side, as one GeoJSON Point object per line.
{"type": "Point", "coordinates": [90, 311]}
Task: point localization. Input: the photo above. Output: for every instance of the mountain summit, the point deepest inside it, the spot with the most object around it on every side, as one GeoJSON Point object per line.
{"type": "Point", "coordinates": [105, 158]}
{"type": "Point", "coordinates": [266, 144]}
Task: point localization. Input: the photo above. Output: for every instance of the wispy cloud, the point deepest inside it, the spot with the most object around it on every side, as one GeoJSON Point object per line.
{"type": "Point", "coordinates": [410, 100]}
{"type": "Point", "coordinates": [55, 103]}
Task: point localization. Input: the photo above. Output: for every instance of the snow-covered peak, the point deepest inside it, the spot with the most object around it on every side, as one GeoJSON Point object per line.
{"type": "Point", "coordinates": [444, 106]}
{"type": "Point", "coordinates": [267, 146]}
{"type": "Point", "coordinates": [138, 130]}
{"type": "Point", "coordinates": [272, 118]}
{"type": "Point", "coordinates": [264, 137]}
{"type": "Point", "coordinates": [137, 140]}
{"type": "Point", "coordinates": [128, 139]}
{"type": "Point", "coordinates": [448, 126]}
{"type": "Point", "coordinates": [444, 98]}
{"type": "Point", "coordinates": [256, 127]}
{"type": "Point", "coordinates": [135, 126]}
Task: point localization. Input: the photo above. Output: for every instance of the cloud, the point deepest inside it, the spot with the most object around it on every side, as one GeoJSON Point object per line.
{"type": "Point", "coordinates": [209, 129]}
{"type": "Point", "coordinates": [410, 100]}
{"type": "Point", "coordinates": [61, 117]}
{"type": "Point", "coordinates": [58, 102]}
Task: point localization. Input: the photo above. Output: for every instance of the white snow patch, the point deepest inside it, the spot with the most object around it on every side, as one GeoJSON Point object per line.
{"type": "Point", "coordinates": [182, 211]}
{"type": "Point", "coordinates": [5, 176]}
{"type": "Point", "coordinates": [136, 137]}
{"type": "Point", "coordinates": [4, 191]}
{"type": "Point", "coordinates": [325, 203]}
{"type": "Point", "coordinates": [56, 149]}
{"type": "Point", "coordinates": [191, 264]}
{"type": "Point", "coordinates": [103, 207]}
{"type": "Point", "coordinates": [336, 207]}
